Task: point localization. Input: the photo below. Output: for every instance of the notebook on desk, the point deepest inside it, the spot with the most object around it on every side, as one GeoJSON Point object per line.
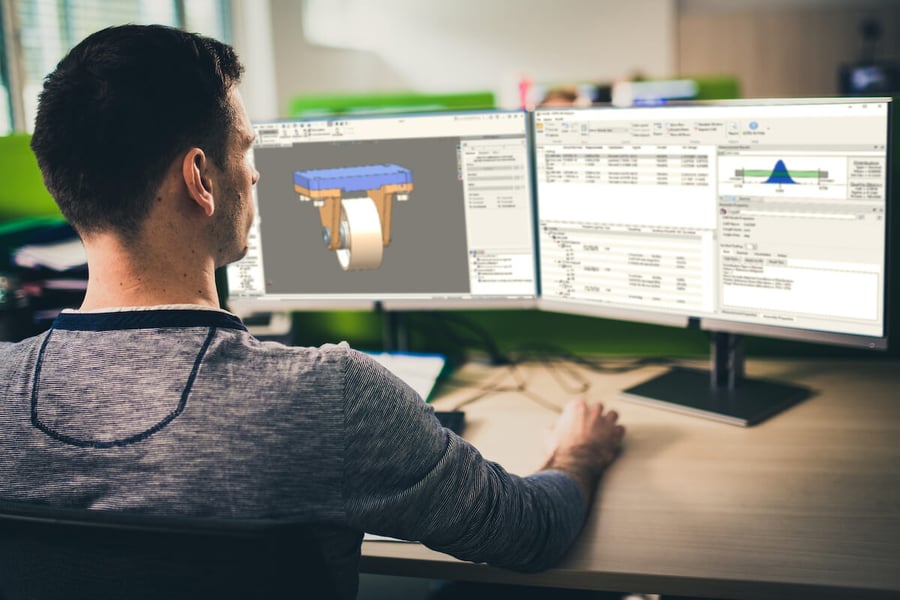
{"type": "Point", "coordinates": [420, 371]}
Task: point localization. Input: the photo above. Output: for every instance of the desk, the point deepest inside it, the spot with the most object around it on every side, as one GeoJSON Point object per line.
{"type": "Point", "coordinates": [804, 505]}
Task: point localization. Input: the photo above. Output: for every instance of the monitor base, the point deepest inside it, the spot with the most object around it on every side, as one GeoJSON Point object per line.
{"type": "Point", "coordinates": [690, 391]}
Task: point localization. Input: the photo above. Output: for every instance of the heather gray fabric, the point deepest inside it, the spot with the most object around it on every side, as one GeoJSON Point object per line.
{"type": "Point", "coordinates": [184, 412]}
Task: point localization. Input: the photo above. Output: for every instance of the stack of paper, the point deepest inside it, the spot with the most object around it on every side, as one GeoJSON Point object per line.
{"type": "Point", "coordinates": [58, 256]}
{"type": "Point", "coordinates": [419, 371]}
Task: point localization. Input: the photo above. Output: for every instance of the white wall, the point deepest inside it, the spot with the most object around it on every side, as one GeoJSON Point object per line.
{"type": "Point", "coordinates": [252, 30]}
{"type": "Point", "coordinates": [459, 45]}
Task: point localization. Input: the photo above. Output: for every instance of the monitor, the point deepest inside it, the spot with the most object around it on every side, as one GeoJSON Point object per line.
{"type": "Point", "coordinates": [767, 218]}
{"type": "Point", "coordinates": [408, 211]}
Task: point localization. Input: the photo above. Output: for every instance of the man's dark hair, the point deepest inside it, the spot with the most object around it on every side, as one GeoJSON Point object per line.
{"type": "Point", "coordinates": [119, 108]}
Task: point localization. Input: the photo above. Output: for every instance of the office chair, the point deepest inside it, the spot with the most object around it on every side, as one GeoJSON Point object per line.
{"type": "Point", "coordinates": [54, 553]}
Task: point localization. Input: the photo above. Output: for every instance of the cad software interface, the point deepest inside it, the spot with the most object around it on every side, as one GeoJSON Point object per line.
{"type": "Point", "coordinates": [435, 206]}
{"type": "Point", "coordinates": [765, 214]}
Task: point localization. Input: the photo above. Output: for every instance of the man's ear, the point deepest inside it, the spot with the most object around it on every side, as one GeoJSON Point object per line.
{"type": "Point", "coordinates": [195, 170]}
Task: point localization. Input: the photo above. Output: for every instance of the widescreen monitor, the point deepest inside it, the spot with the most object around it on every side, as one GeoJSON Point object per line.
{"type": "Point", "coordinates": [757, 217]}
{"type": "Point", "coordinates": [408, 211]}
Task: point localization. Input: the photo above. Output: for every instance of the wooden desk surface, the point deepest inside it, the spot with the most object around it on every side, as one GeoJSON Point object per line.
{"type": "Point", "coordinates": [804, 505]}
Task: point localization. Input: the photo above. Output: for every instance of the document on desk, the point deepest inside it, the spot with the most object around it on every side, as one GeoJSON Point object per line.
{"type": "Point", "coordinates": [59, 256]}
{"type": "Point", "coordinates": [420, 371]}
{"type": "Point", "coordinates": [373, 537]}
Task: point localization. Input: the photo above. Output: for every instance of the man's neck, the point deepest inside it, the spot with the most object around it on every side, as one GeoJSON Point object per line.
{"type": "Point", "coordinates": [145, 276]}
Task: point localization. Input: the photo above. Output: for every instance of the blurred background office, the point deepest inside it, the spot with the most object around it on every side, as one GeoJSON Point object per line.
{"type": "Point", "coordinates": [300, 48]}
{"type": "Point", "coordinates": [312, 57]}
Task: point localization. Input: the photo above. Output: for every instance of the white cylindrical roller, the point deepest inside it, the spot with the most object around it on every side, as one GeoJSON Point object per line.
{"type": "Point", "coordinates": [363, 247]}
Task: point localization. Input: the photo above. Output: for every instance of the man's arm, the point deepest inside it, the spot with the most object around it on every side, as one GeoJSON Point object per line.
{"type": "Point", "coordinates": [407, 477]}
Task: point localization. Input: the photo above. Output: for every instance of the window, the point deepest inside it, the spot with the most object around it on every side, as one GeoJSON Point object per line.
{"type": "Point", "coordinates": [6, 119]}
{"type": "Point", "coordinates": [37, 33]}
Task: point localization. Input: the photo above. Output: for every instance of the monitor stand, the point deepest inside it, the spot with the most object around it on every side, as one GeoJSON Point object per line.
{"type": "Point", "coordinates": [394, 329]}
{"type": "Point", "coordinates": [722, 393]}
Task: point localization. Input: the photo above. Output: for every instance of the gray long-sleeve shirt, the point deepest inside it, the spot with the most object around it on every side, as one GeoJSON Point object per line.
{"type": "Point", "coordinates": [182, 411]}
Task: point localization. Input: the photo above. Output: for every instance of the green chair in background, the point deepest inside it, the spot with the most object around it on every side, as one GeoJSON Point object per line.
{"type": "Point", "coordinates": [399, 102]}
{"type": "Point", "coordinates": [22, 193]}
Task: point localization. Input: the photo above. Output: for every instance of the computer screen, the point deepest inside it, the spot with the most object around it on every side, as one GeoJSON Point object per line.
{"type": "Point", "coordinates": [411, 211]}
{"type": "Point", "coordinates": [765, 218]}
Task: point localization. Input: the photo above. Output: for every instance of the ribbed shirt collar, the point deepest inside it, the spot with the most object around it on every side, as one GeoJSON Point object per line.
{"type": "Point", "coordinates": [146, 319]}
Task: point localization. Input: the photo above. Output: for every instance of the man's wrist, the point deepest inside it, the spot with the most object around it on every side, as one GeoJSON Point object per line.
{"type": "Point", "coordinates": [585, 476]}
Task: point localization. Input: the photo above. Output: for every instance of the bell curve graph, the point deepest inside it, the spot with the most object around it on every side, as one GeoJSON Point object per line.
{"type": "Point", "coordinates": [819, 177]}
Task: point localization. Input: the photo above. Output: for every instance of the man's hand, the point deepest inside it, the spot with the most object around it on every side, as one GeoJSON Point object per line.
{"type": "Point", "coordinates": [584, 442]}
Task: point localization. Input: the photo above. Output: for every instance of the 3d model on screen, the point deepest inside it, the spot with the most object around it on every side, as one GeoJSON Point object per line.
{"type": "Point", "coordinates": [355, 205]}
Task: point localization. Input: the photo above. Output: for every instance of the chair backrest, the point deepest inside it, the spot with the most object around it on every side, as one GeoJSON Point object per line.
{"type": "Point", "coordinates": [71, 553]}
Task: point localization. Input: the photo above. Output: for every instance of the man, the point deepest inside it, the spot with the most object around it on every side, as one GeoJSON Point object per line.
{"type": "Point", "coordinates": [150, 398]}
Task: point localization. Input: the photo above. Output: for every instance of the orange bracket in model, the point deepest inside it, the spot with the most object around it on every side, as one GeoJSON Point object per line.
{"type": "Point", "coordinates": [326, 188]}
